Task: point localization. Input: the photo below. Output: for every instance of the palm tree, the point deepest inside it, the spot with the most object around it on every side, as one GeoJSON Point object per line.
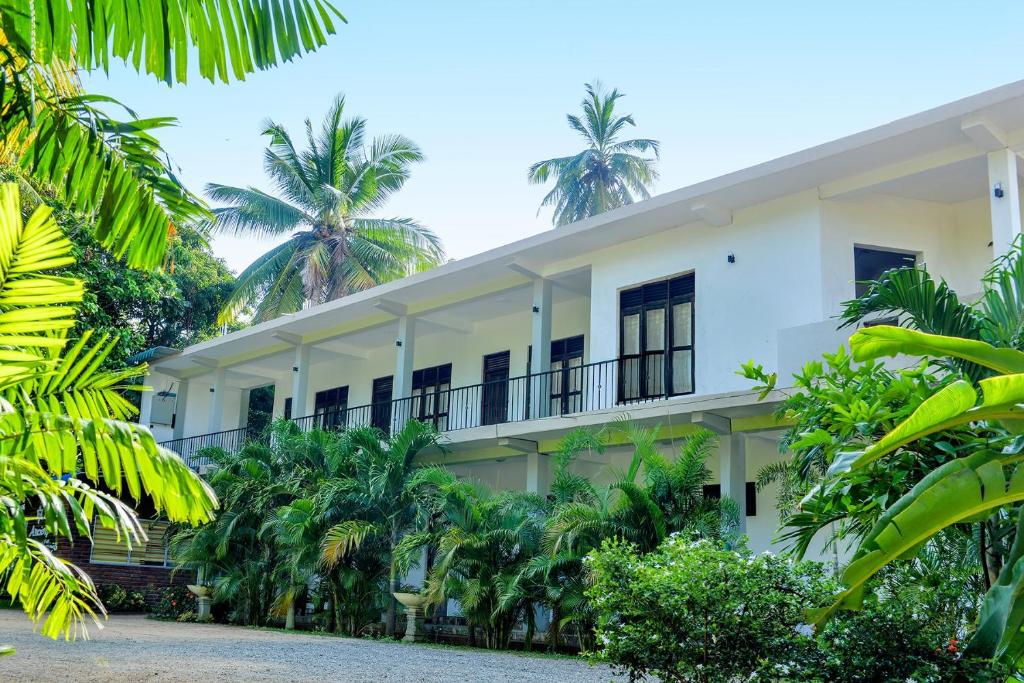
{"type": "Point", "coordinates": [116, 170]}
{"type": "Point", "coordinates": [327, 193]}
{"type": "Point", "coordinates": [384, 487]}
{"type": "Point", "coordinates": [609, 173]}
{"type": "Point", "coordinates": [68, 454]}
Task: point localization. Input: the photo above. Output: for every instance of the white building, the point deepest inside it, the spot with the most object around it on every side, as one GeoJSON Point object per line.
{"type": "Point", "coordinates": [647, 310]}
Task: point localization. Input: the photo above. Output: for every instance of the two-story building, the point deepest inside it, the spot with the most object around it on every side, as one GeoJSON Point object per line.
{"type": "Point", "coordinates": [645, 311]}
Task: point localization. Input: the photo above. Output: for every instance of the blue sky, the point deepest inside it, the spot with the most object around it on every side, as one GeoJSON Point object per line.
{"type": "Point", "coordinates": [483, 88]}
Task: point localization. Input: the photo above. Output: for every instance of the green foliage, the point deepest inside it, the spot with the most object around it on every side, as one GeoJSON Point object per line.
{"type": "Point", "coordinates": [115, 169]}
{"type": "Point", "coordinates": [693, 611]}
{"type": "Point", "coordinates": [174, 602]}
{"type": "Point", "coordinates": [609, 173]}
{"type": "Point", "coordinates": [138, 309]}
{"type": "Point", "coordinates": [690, 611]}
{"type": "Point", "coordinates": [116, 598]}
{"type": "Point", "coordinates": [327, 193]}
{"type": "Point", "coordinates": [68, 455]}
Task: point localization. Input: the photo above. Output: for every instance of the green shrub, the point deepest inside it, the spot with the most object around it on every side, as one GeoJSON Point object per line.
{"type": "Point", "coordinates": [174, 602]}
{"type": "Point", "coordinates": [692, 611]}
{"type": "Point", "coordinates": [116, 599]}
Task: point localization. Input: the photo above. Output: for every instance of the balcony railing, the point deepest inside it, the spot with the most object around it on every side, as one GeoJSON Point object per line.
{"type": "Point", "coordinates": [573, 389]}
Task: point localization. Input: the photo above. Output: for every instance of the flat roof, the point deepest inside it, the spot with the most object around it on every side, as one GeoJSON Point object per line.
{"type": "Point", "coordinates": [905, 138]}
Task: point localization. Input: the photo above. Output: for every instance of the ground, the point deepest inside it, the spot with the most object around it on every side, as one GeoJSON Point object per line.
{"type": "Point", "coordinates": [133, 648]}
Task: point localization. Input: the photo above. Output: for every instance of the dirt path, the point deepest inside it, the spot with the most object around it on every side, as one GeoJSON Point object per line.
{"type": "Point", "coordinates": [133, 648]}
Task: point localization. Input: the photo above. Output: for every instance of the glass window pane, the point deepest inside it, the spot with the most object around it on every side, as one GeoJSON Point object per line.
{"type": "Point", "coordinates": [655, 367]}
{"type": "Point", "coordinates": [655, 329]}
{"type": "Point", "coordinates": [682, 377]}
{"type": "Point", "coordinates": [631, 334]}
{"type": "Point", "coordinates": [682, 319]}
{"type": "Point", "coordinates": [630, 379]}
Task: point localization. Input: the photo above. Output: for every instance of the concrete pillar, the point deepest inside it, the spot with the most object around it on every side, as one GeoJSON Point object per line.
{"type": "Point", "coordinates": [180, 404]}
{"type": "Point", "coordinates": [243, 409]}
{"type": "Point", "coordinates": [540, 355]}
{"type": "Point", "coordinates": [732, 458]}
{"type": "Point", "coordinates": [533, 472]}
{"type": "Point", "coordinates": [405, 349]}
{"type": "Point", "coordinates": [218, 393]}
{"type": "Point", "coordinates": [300, 381]}
{"type": "Point", "coordinates": [280, 394]}
{"type": "Point", "coordinates": [1005, 210]}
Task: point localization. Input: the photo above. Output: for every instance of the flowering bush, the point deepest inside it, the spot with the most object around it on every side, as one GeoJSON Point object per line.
{"type": "Point", "coordinates": [174, 602]}
{"type": "Point", "coordinates": [692, 611]}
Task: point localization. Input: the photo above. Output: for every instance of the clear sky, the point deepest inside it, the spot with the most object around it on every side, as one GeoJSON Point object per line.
{"type": "Point", "coordinates": [483, 87]}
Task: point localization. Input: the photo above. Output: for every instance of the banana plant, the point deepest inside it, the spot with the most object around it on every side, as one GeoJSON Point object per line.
{"type": "Point", "coordinates": [66, 453]}
{"type": "Point", "coordinates": [965, 489]}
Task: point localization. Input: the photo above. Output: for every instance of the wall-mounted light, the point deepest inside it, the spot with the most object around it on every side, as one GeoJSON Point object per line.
{"type": "Point", "coordinates": [731, 258]}
{"type": "Point", "coordinates": [536, 309]}
{"type": "Point", "coordinates": [398, 342]}
{"type": "Point", "coordinates": [295, 368]}
{"type": "Point", "coordinates": [998, 190]}
{"type": "Point", "coordinates": [212, 390]}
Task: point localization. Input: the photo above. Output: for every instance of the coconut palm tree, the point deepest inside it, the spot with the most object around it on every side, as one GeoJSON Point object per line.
{"type": "Point", "coordinates": [116, 170]}
{"type": "Point", "coordinates": [609, 173]}
{"type": "Point", "coordinates": [327, 194]}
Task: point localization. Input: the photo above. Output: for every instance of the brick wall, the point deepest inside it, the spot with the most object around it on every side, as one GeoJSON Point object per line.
{"type": "Point", "coordinates": [146, 579]}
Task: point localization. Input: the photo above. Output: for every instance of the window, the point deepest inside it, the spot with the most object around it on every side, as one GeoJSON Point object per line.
{"type": "Point", "coordinates": [494, 395]}
{"type": "Point", "coordinates": [380, 412]}
{"type": "Point", "coordinates": [331, 404]}
{"type": "Point", "coordinates": [106, 549]}
{"type": "Point", "coordinates": [656, 339]}
{"type": "Point", "coordinates": [565, 377]}
{"type": "Point", "coordinates": [288, 408]}
{"type": "Point", "coordinates": [714, 492]}
{"type": "Point", "coordinates": [870, 264]}
{"type": "Point", "coordinates": [430, 395]}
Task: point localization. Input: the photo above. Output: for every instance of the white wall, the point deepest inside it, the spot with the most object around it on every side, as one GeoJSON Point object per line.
{"type": "Point", "coordinates": [740, 307]}
{"type": "Point", "coordinates": [951, 239]}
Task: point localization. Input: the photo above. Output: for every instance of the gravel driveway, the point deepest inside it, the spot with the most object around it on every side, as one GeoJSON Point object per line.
{"type": "Point", "coordinates": [133, 648]}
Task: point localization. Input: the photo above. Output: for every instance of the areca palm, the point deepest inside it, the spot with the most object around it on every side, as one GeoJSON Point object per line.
{"type": "Point", "coordinates": [115, 169]}
{"type": "Point", "coordinates": [609, 173]}
{"type": "Point", "coordinates": [385, 488]}
{"type": "Point", "coordinates": [326, 195]}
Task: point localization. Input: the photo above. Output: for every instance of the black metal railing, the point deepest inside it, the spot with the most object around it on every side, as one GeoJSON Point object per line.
{"type": "Point", "coordinates": [571, 389]}
{"type": "Point", "coordinates": [190, 447]}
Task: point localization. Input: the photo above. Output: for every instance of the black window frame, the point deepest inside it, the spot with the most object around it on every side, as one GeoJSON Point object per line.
{"type": "Point", "coordinates": [431, 395]}
{"type": "Point", "coordinates": [494, 391]}
{"type": "Point", "coordinates": [563, 350]}
{"type": "Point", "coordinates": [330, 407]}
{"type": "Point", "coordinates": [380, 408]}
{"type": "Point", "coordinates": [661, 295]}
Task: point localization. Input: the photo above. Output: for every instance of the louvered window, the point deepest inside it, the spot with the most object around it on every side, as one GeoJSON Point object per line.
{"type": "Point", "coordinates": [329, 406]}
{"type": "Point", "coordinates": [107, 549]}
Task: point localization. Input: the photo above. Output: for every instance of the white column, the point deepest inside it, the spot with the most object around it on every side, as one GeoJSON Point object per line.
{"type": "Point", "coordinates": [1005, 210]}
{"type": "Point", "coordinates": [146, 403]}
{"type": "Point", "coordinates": [732, 459]}
{"type": "Point", "coordinates": [537, 480]}
{"type": "Point", "coordinates": [217, 395]}
{"type": "Point", "coordinates": [280, 386]}
{"type": "Point", "coordinates": [405, 349]}
{"type": "Point", "coordinates": [243, 409]}
{"type": "Point", "coordinates": [180, 404]}
{"type": "Point", "coordinates": [300, 381]}
{"type": "Point", "coordinates": [540, 355]}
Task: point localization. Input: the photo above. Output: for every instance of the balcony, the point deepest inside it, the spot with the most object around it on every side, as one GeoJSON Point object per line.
{"type": "Point", "coordinates": [570, 390]}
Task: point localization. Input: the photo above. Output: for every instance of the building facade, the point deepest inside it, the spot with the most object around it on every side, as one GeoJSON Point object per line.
{"type": "Point", "coordinates": [645, 311]}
